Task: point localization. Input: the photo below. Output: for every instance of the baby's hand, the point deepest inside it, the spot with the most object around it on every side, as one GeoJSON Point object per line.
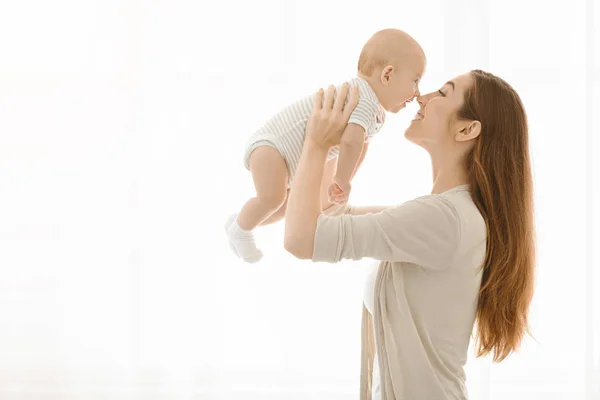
{"type": "Point", "coordinates": [338, 192]}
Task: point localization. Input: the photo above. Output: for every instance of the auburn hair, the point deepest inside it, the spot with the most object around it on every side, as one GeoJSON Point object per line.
{"type": "Point", "coordinates": [502, 188]}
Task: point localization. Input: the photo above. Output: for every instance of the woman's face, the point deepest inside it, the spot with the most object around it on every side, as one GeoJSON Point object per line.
{"type": "Point", "coordinates": [434, 125]}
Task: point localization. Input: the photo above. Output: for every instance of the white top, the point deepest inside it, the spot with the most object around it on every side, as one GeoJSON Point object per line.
{"type": "Point", "coordinates": [286, 130]}
{"type": "Point", "coordinates": [425, 291]}
{"type": "Point", "coordinates": [369, 301]}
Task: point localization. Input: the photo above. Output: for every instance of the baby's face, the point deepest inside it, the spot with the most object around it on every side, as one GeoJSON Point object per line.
{"type": "Point", "coordinates": [403, 86]}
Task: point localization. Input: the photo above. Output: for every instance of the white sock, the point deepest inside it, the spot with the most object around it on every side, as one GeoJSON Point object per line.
{"type": "Point", "coordinates": [243, 243]}
{"type": "Point", "coordinates": [232, 218]}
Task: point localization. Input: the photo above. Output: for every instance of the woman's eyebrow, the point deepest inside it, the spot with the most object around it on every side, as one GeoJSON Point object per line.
{"type": "Point", "coordinates": [450, 83]}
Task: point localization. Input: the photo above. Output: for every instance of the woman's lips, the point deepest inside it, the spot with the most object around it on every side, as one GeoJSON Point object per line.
{"type": "Point", "coordinates": [418, 116]}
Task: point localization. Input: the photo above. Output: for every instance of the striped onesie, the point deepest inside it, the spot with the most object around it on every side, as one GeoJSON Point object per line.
{"type": "Point", "coordinates": [285, 131]}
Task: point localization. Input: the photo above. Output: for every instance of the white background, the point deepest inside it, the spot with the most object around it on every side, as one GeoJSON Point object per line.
{"type": "Point", "coordinates": [122, 126]}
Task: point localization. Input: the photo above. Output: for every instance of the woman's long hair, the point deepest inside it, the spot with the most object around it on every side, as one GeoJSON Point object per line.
{"type": "Point", "coordinates": [502, 188]}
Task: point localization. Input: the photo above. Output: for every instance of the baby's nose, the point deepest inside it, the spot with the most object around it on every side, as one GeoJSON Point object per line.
{"type": "Point", "coordinates": [415, 95]}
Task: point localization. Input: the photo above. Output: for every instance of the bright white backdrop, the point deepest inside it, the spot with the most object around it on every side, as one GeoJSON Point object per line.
{"type": "Point", "coordinates": [122, 125]}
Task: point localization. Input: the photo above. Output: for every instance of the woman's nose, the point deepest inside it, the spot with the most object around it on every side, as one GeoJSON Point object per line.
{"type": "Point", "coordinates": [421, 101]}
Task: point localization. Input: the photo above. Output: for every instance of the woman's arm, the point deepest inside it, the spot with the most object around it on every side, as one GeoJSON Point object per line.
{"type": "Point", "coordinates": [304, 205]}
{"type": "Point", "coordinates": [362, 210]}
{"type": "Point", "coordinates": [425, 231]}
{"type": "Point", "coordinates": [324, 130]}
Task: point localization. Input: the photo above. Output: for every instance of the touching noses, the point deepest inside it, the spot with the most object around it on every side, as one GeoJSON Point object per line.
{"type": "Point", "coordinates": [415, 94]}
{"type": "Point", "coordinates": [426, 98]}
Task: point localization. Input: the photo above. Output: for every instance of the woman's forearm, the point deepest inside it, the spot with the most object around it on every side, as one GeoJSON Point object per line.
{"type": "Point", "coordinates": [324, 129]}
{"type": "Point", "coordinates": [304, 205]}
{"type": "Point", "coordinates": [362, 210]}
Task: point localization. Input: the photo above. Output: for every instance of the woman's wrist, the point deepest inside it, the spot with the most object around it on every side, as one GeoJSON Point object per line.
{"type": "Point", "coordinates": [313, 147]}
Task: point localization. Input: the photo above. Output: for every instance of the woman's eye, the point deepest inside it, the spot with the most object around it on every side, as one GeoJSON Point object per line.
{"type": "Point", "coordinates": [441, 93]}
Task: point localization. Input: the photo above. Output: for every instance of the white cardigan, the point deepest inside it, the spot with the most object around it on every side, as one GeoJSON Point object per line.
{"type": "Point", "coordinates": [431, 251]}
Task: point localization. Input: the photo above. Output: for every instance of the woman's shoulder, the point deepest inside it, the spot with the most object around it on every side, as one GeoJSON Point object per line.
{"type": "Point", "coordinates": [471, 220]}
{"type": "Point", "coordinates": [430, 210]}
{"type": "Point", "coordinates": [454, 205]}
{"type": "Point", "coordinates": [457, 199]}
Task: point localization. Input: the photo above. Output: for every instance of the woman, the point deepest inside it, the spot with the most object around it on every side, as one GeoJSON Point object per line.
{"type": "Point", "coordinates": [461, 255]}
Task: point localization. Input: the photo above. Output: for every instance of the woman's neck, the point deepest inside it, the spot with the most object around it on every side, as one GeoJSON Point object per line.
{"type": "Point", "coordinates": [448, 173]}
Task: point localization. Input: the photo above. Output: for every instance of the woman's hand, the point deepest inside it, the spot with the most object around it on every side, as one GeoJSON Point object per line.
{"type": "Point", "coordinates": [329, 117]}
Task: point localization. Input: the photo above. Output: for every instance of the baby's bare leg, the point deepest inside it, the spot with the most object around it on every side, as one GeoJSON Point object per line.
{"type": "Point", "coordinates": [277, 215]}
{"type": "Point", "coordinates": [270, 181]}
{"type": "Point", "coordinates": [328, 174]}
{"type": "Point", "coordinates": [270, 176]}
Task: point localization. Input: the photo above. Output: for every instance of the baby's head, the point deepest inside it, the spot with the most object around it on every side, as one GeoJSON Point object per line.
{"type": "Point", "coordinates": [393, 63]}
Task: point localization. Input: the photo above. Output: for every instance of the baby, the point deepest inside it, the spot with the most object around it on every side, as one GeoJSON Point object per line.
{"type": "Point", "coordinates": [389, 69]}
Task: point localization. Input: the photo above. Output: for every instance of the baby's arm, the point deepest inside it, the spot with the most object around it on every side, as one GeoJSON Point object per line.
{"type": "Point", "coordinates": [361, 159]}
{"type": "Point", "coordinates": [351, 149]}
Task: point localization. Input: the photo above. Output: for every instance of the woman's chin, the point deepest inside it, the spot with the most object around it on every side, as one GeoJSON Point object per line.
{"type": "Point", "coordinates": [409, 134]}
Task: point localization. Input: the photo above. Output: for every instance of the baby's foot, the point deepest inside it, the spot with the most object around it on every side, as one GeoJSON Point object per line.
{"type": "Point", "coordinates": [242, 241]}
{"type": "Point", "coordinates": [230, 221]}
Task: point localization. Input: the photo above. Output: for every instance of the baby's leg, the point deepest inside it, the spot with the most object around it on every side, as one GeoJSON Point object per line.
{"type": "Point", "coordinates": [277, 215]}
{"type": "Point", "coordinates": [270, 176]}
{"type": "Point", "coordinates": [328, 174]}
{"type": "Point", "coordinates": [269, 173]}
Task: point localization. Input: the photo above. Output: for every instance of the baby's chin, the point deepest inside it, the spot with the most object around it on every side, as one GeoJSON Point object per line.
{"type": "Point", "coordinates": [396, 109]}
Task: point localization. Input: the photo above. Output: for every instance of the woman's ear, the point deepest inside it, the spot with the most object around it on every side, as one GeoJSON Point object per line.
{"type": "Point", "coordinates": [470, 130]}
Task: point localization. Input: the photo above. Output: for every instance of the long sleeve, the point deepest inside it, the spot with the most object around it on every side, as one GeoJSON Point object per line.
{"type": "Point", "coordinates": [361, 210]}
{"type": "Point", "coordinates": [424, 231]}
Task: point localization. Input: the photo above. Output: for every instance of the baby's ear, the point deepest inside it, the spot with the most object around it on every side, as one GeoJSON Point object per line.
{"type": "Point", "coordinates": [386, 74]}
